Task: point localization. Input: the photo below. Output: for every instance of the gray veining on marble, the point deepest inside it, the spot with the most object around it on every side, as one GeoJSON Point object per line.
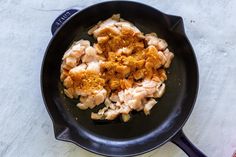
{"type": "Point", "coordinates": [26, 129]}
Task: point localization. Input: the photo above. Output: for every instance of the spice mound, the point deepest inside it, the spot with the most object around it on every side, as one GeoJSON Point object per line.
{"type": "Point", "coordinates": [124, 69]}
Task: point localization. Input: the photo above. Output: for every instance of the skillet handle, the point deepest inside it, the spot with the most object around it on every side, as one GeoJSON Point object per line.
{"type": "Point", "coordinates": [183, 142]}
{"type": "Point", "coordinates": [61, 19]}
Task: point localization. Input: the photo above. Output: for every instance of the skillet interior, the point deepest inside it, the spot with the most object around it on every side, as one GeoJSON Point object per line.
{"type": "Point", "coordinates": [141, 133]}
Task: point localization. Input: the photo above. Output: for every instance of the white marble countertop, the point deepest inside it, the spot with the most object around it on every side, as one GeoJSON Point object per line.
{"type": "Point", "coordinates": [26, 129]}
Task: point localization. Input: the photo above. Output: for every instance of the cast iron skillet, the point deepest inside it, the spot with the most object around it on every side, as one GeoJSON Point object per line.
{"type": "Point", "coordinates": [142, 133]}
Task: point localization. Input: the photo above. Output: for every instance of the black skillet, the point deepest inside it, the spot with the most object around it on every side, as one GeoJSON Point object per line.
{"type": "Point", "coordinates": [142, 133]}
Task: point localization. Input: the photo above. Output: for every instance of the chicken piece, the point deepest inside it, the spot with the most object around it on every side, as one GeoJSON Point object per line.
{"type": "Point", "coordinates": [138, 45]}
{"type": "Point", "coordinates": [112, 56]}
{"type": "Point", "coordinates": [67, 54]}
{"type": "Point", "coordinates": [140, 93]}
{"type": "Point", "coordinates": [161, 45]}
{"type": "Point", "coordinates": [111, 114]}
{"type": "Point", "coordinates": [148, 84]}
{"type": "Point", "coordinates": [94, 66]}
{"type": "Point", "coordinates": [71, 61]}
{"type": "Point", "coordinates": [152, 39]}
{"type": "Point", "coordinates": [135, 104]}
{"type": "Point", "coordinates": [114, 97]}
{"type": "Point", "coordinates": [159, 90]}
{"type": "Point", "coordinates": [98, 48]}
{"type": "Point", "coordinates": [70, 92]}
{"type": "Point", "coordinates": [140, 63]}
{"type": "Point", "coordinates": [125, 50]}
{"type": "Point", "coordinates": [112, 106]}
{"type": "Point", "coordinates": [101, 24]}
{"type": "Point", "coordinates": [92, 100]}
{"type": "Point", "coordinates": [121, 96]}
{"type": "Point", "coordinates": [82, 106]}
{"type": "Point", "coordinates": [115, 26]}
{"type": "Point", "coordinates": [102, 39]}
{"type": "Point", "coordinates": [64, 74]}
{"type": "Point", "coordinates": [77, 52]}
{"type": "Point", "coordinates": [96, 116]}
{"type": "Point", "coordinates": [107, 65]}
{"type": "Point", "coordinates": [103, 110]}
{"type": "Point", "coordinates": [108, 30]}
{"type": "Point", "coordinates": [65, 66]}
{"type": "Point", "coordinates": [114, 83]}
{"type": "Point", "coordinates": [101, 59]}
{"type": "Point", "coordinates": [125, 84]}
{"type": "Point", "coordinates": [150, 91]}
{"type": "Point", "coordinates": [76, 70]}
{"type": "Point", "coordinates": [127, 28]}
{"type": "Point", "coordinates": [169, 56]}
{"type": "Point", "coordinates": [139, 74]}
{"type": "Point", "coordinates": [84, 43]}
{"type": "Point", "coordinates": [105, 113]}
{"type": "Point", "coordinates": [125, 117]}
{"type": "Point", "coordinates": [116, 17]}
{"type": "Point", "coordinates": [144, 101]}
{"type": "Point", "coordinates": [156, 57]}
{"type": "Point", "coordinates": [77, 48]}
{"type": "Point", "coordinates": [161, 58]}
{"type": "Point", "coordinates": [150, 87]}
{"type": "Point", "coordinates": [90, 55]}
{"type": "Point", "coordinates": [68, 82]}
{"type": "Point", "coordinates": [130, 61]}
{"type": "Point", "coordinates": [139, 89]}
{"type": "Point", "coordinates": [162, 75]}
{"type": "Point", "coordinates": [123, 70]}
{"type": "Point", "coordinates": [149, 65]}
{"type": "Point", "coordinates": [100, 97]}
{"type": "Point", "coordinates": [89, 102]}
{"type": "Point", "coordinates": [124, 109]}
{"type": "Point", "coordinates": [91, 30]}
{"type": "Point", "coordinates": [107, 102]}
{"type": "Point", "coordinates": [83, 99]}
{"type": "Point", "coordinates": [81, 92]}
{"type": "Point", "coordinates": [106, 26]}
{"type": "Point", "coordinates": [128, 95]}
{"type": "Point", "coordinates": [148, 106]}
{"type": "Point", "coordinates": [156, 78]}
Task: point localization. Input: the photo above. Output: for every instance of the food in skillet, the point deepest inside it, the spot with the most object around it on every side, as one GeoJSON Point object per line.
{"type": "Point", "coordinates": [124, 69]}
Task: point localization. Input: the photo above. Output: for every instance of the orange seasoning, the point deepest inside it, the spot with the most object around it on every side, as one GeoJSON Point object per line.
{"type": "Point", "coordinates": [127, 61]}
{"type": "Point", "coordinates": [88, 81]}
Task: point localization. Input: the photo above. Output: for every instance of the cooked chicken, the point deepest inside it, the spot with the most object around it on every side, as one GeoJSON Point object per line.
{"type": "Point", "coordinates": [94, 66]}
{"type": "Point", "coordinates": [112, 27]}
{"type": "Point", "coordinates": [149, 105]}
{"type": "Point", "coordinates": [114, 97]}
{"type": "Point", "coordinates": [169, 56]}
{"type": "Point", "coordinates": [68, 82]}
{"type": "Point", "coordinates": [124, 69]}
{"type": "Point", "coordinates": [70, 92]}
{"type": "Point", "coordinates": [159, 43]}
{"type": "Point", "coordinates": [125, 117]}
{"type": "Point", "coordinates": [90, 55]}
{"type": "Point", "coordinates": [82, 106]}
